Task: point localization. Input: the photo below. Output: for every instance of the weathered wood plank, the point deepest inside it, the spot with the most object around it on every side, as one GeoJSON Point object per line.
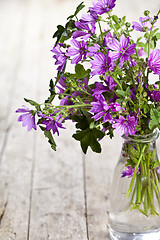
{"type": "Point", "coordinates": [99, 169]}
{"type": "Point", "coordinates": [58, 205]}
{"type": "Point", "coordinates": [17, 157]}
{"type": "Point", "coordinates": [9, 61]}
{"type": "Point", "coordinates": [58, 208]}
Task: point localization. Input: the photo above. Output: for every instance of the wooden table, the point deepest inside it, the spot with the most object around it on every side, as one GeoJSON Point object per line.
{"type": "Point", "coordinates": [46, 195]}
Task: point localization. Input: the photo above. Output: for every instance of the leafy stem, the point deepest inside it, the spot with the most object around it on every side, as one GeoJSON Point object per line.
{"type": "Point", "coordinates": [135, 172]}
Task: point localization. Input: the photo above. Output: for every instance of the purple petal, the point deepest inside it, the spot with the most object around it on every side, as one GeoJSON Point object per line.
{"type": "Point", "coordinates": [76, 59]}
{"type": "Point", "coordinates": [131, 49]}
{"type": "Point", "coordinates": [124, 41]}
{"type": "Point", "coordinates": [115, 45]}
{"type": "Point", "coordinates": [114, 55]}
{"type": "Point", "coordinates": [75, 43]}
{"type": "Point", "coordinates": [137, 26]}
{"type": "Point", "coordinates": [72, 51]}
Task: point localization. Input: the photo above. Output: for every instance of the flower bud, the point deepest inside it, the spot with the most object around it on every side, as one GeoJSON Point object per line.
{"type": "Point", "coordinates": [101, 77]}
{"type": "Point", "coordinates": [155, 17]}
{"type": "Point", "coordinates": [145, 94]}
{"type": "Point", "coordinates": [64, 45]}
{"type": "Point", "coordinates": [128, 24]}
{"type": "Point", "coordinates": [146, 13]}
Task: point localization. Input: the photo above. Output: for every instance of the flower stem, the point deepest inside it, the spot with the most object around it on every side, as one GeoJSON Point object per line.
{"type": "Point", "coordinates": [138, 196]}
{"type": "Point", "coordinates": [135, 172]}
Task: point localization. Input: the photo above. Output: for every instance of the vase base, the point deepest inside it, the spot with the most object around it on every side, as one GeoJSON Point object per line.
{"type": "Point", "coordinates": [114, 235]}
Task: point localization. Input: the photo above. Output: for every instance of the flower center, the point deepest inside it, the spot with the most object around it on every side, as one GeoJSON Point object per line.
{"type": "Point", "coordinates": [105, 6]}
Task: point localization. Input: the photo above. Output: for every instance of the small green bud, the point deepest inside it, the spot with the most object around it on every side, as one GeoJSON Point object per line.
{"type": "Point", "coordinates": [127, 24]}
{"type": "Point", "coordinates": [145, 29]}
{"type": "Point", "coordinates": [146, 13]}
{"type": "Point", "coordinates": [145, 94]}
{"type": "Point", "coordinates": [64, 45]}
{"type": "Point", "coordinates": [101, 77]}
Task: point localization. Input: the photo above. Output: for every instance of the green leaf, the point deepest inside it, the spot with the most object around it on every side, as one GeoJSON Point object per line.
{"type": "Point", "coordinates": [33, 103]}
{"type": "Point", "coordinates": [89, 137]}
{"type": "Point", "coordinates": [154, 122]}
{"type": "Point", "coordinates": [122, 93]}
{"type": "Point", "coordinates": [117, 26]}
{"type": "Point", "coordinates": [82, 122]}
{"type": "Point", "coordinates": [81, 72]}
{"type": "Point", "coordinates": [123, 20]}
{"type": "Point", "coordinates": [154, 31]}
{"type": "Point", "coordinates": [140, 44]}
{"type": "Point", "coordinates": [104, 33]}
{"type": "Point", "coordinates": [58, 34]}
{"type": "Point", "coordinates": [115, 19]}
{"type": "Point", "coordinates": [95, 146]}
{"type": "Point", "coordinates": [98, 133]}
{"type": "Point", "coordinates": [138, 39]}
{"type": "Point", "coordinates": [48, 135]}
{"type": "Point", "coordinates": [158, 35]}
{"type": "Point", "coordinates": [79, 8]}
{"type": "Point", "coordinates": [52, 92]}
{"type": "Point", "coordinates": [70, 24]}
{"type": "Point", "coordinates": [146, 35]}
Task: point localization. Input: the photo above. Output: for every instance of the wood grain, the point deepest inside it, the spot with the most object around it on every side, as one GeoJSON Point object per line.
{"type": "Point", "coordinates": [46, 195]}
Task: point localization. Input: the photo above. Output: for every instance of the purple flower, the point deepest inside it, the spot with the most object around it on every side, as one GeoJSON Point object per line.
{"type": "Point", "coordinates": [80, 51]}
{"type": "Point", "coordinates": [115, 107]}
{"type": "Point", "coordinates": [85, 26]}
{"type": "Point", "coordinates": [107, 39]}
{"type": "Point", "coordinates": [125, 126]}
{"type": "Point", "coordinates": [100, 88]}
{"type": "Point", "coordinates": [155, 95]}
{"type": "Point", "coordinates": [62, 87]}
{"type": "Point", "coordinates": [142, 25]}
{"type": "Point", "coordinates": [103, 6]}
{"type": "Point", "coordinates": [101, 108]}
{"type": "Point", "coordinates": [101, 64]}
{"type": "Point", "coordinates": [158, 170]}
{"type": "Point", "coordinates": [60, 57]}
{"type": "Point", "coordinates": [154, 61]}
{"type": "Point", "coordinates": [133, 93]}
{"type": "Point", "coordinates": [51, 123]}
{"type": "Point", "coordinates": [121, 50]}
{"type": "Point", "coordinates": [89, 18]}
{"type": "Point", "coordinates": [110, 83]}
{"type": "Point", "coordinates": [92, 50]}
{"type": "Point", "coordinates": [27, 118]}
{"type": "Point", "coordinates": [141, 52]}
{"type": "Point", "coordinates": [129, 172]}
{"type": "Point", "coordinates": [62, 83]}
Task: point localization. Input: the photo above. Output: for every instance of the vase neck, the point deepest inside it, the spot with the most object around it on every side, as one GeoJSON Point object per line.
{"type": "Point", "coordinates": [148, 138]}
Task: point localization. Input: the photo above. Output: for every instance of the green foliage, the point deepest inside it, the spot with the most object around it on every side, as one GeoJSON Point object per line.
{"type": "Point", "coordinates": [122, 93]}
{"type": "Point", "coordinates": [154, 122]}
{"type": "Point", "coordinates": [52, 92]}
{"type": "Point", "coordinates": [78, 9]}
{"type": "Point", "coordinates": [89, 135]}
{"type": "Point", "coordinates": [64, 33]}
{"type": "Point", "coordinates": [61, 32]}
{"type": "Point", "coordinates": [33, 103]}
{"type": "Point", "coordinates": [81, 72]}
{"type": "Point", "coordinates": [48, 135]}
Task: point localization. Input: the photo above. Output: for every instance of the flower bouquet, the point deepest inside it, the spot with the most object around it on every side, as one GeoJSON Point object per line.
{"type": "Point", "coordinates": [109, 90]}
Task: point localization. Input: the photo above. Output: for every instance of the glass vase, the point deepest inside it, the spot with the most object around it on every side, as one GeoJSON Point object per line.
{"type": "Point", "coordinates": [135, 191]}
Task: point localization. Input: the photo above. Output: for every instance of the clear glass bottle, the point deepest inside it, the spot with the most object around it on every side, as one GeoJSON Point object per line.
{"type": "Point", "coordinates": [135, 199]}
